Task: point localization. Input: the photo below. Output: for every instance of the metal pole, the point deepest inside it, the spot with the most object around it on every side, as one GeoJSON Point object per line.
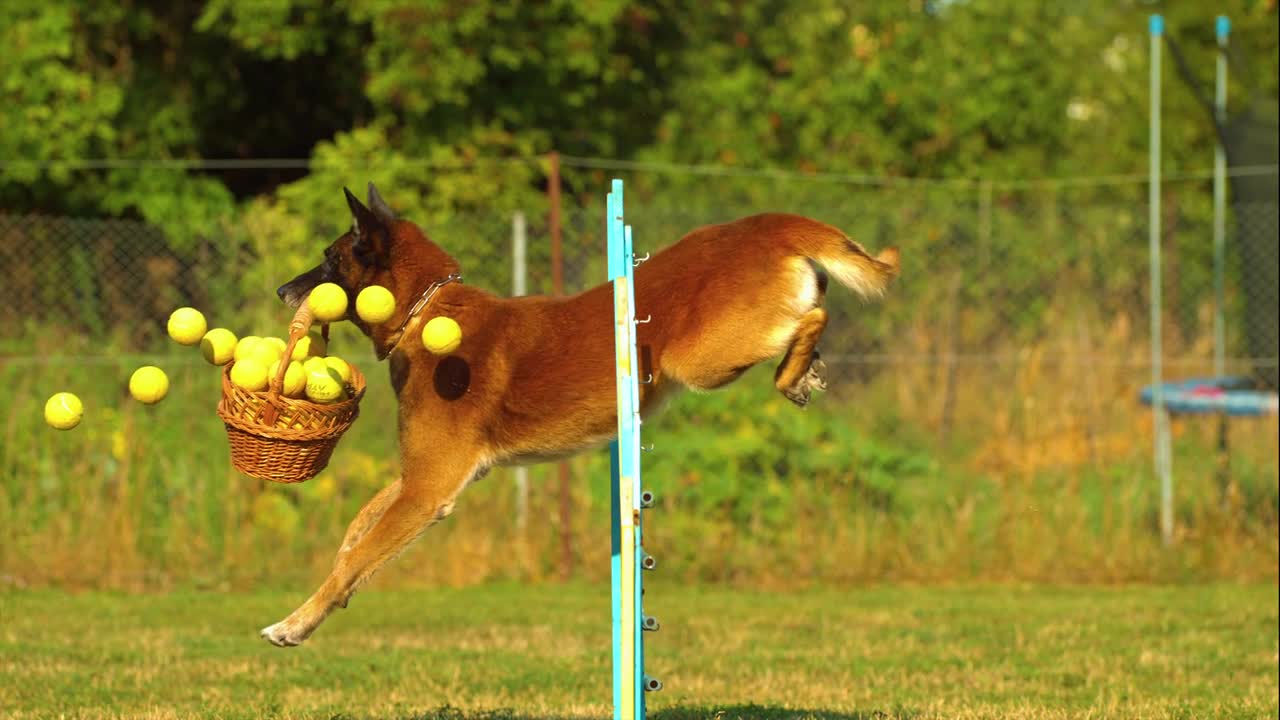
{"type": "Point", "coordinates": [553, 223]}
{"type": "Point", "coordinates": [1220, 205]}
{"type": "Point", "coordinates": [1161, 418]}
{"type": "Point", "coordinates": [1220, 248]}
{"type": "Point", "coordinates": [519, 282]}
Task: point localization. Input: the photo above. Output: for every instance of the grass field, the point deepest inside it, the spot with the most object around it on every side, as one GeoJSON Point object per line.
{"type": "Point", "coordinates": [508, 651]}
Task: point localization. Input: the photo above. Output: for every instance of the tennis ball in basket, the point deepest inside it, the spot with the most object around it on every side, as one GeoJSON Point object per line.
{"type": "Point", "coordinates": [312, 344]}
{"type": "Point", "coordinates": [148, 385]}
{"type": "Point", "coordinates": [218, 346]}
{"type": "Point", "coordinates": [247, 343]}
{"type": "Point", "coordinates": [249, 374]}
{"type": "Point", "coordinates": [441, 335]}
{"type": "Point", "coordinates": [187, 326]}
{"type": "Point", "coordinates": [265, 352]}
{"type": "Point", "coordinates": [328, 302]}
{"type": "Point", "coordinates": [295, 378]}
{"type": "Point", "coordinates": [324, 386]}
{"type": "Point", "coordinates": [63, 411]}
{"type": "Point", "coordinates": [340, 366]}
{"type": "Point", "coordinates": [314, 364]}
{"type": "Point", "coordinates": [375, 304]}
{"type": "Point", "coordinates": [278, 344]}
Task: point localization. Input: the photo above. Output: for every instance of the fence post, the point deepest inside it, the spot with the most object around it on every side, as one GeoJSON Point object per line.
{"type": "Point", "coordinates": [1220, 249]}
{"type": "Point", "coordinates": [1220, 203]}
{"type": "Point", "coordinates": [1163, 461]}
{"type": "Point", "coordinates": [519, 286]}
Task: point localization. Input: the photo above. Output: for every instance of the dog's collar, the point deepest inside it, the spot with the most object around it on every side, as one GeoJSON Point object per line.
{"type": "Point", "coordinates": [416, 308]}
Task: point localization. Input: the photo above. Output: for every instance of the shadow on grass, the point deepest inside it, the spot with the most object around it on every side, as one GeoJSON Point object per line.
{"type": "Point", "coordinates": [692, 712]}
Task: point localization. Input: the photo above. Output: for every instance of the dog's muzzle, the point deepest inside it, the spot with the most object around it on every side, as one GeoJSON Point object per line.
{"type": "Point", "coordinates": [296, 289]}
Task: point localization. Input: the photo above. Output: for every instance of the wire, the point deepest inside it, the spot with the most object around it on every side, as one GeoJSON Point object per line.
{"type": "Point", "coordinates": [629, 165]}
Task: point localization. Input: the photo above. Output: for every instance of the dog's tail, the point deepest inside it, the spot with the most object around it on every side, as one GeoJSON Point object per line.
{"type": "Point", "coordinates": [848, 261]}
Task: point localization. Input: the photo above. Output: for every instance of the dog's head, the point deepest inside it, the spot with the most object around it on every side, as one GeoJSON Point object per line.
{"type": "Point", "coordinates": [379, 249]}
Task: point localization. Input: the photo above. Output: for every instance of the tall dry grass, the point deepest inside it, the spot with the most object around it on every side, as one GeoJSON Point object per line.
{"type": "Point", "coordinates": [1026, 463]}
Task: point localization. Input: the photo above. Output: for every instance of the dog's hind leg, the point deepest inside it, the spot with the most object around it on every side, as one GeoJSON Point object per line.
{"type": "Point", "coordinates": [801, 370]}
{"type": "Point", "coordinates": [386, 525]}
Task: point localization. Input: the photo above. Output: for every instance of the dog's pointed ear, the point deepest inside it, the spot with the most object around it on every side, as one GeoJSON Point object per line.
{"type": "Point", "coordinates": [380, 207]}
{"type": "Point", "coordinates": [362, 219]}
{"type": "Point", "coordinates": [368, 230]}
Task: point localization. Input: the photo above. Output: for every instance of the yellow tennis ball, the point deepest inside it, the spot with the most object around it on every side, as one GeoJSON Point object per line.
{"type": "Point", "coordinates": [148, 385]}
{"type": "Point", "coordinates": [249, 374]}
{"type": "Point", "coordinates": [295, 378]}
{"type": "Point", "coordinates": [339, 365]}
{"type": "Point", "coordinates": [314, 365]}
{"type": "Point", "coordinates": [375, 304]}
{"type": "Point", "coordinates": [265, 352]}
{"type": "Point", "coordinates": [328, 302]}
{"type": "Point", "coordinates": [218, 346]}
{"type": "Point", "coordinates": [187, 326]}
{"type": "Point", "coordinates": [278, 344]}
{"type": "Point", "coordinates": [324, 386]}
{"type": "Point", "coordinates": [243, 347]}
{"type": "Point", "coordinates": [63, 411]}
{"type": "Point", "coordinates": [441, 335]}
{"type": "Point", "coordinates": [311, 344]}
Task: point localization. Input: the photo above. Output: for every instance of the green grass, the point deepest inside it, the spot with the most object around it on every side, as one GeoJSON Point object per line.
{"type": "Point", "coordinates": [510, 651]}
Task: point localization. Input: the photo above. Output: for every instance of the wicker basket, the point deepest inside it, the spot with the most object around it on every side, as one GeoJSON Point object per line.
{"type": "Point", "coordinates": [282, 439]}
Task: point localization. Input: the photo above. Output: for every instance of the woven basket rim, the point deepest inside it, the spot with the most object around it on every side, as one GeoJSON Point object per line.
{"type": "Point", "coordinates": [230, 410]}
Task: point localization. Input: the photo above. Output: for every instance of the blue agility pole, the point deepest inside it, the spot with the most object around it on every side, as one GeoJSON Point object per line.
{"type": "Point", "coordinates": [626, 499]}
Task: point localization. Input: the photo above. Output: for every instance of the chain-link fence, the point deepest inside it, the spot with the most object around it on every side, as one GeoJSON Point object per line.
{"type": "Point", "coordinates": [988, 268]}
{"type": "Point", "coordinates": [1016, 340]}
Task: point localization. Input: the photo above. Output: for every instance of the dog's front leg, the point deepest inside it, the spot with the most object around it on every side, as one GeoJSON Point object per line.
{"type": "Point", "coordinates": [386, 525]}
{"type": "Point", "coordinates": [368, 515]}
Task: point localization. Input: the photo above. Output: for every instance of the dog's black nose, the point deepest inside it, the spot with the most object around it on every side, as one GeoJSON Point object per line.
{"type": "Point", "coordinates": [282, 291]}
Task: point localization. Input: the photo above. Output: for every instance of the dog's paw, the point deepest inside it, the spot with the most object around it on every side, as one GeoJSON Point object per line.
{"type": "Point", "coordinates": [816, 377]}
{"type": "Point", "coordinates": [798, 393]}
{"type": "Point", "coordinates": [281, 635]}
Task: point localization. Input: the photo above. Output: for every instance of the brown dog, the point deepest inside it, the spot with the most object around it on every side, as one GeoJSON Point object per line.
{"type": "Point", "coordinates": [534, 376]}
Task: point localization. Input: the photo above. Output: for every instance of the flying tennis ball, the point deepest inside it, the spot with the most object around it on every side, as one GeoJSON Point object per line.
{"type": "Point", "coordinates": [310, 345]}
{"type": "Point", "coordinates": [340, 366]}
{"type": "Point", "coordinates": [249, 374]}
{"type": "Point", "coordinates": [324, 386]}
{"type": "Point", "coordinates": [243, 347]}
{"type": "Point", "coordinates": [187, 326]}
{"type": "Point", "coordinates": [441, 335]}
{"type": "Point", "coordinates": [63, 411]}
{"type": "Point", "coordinates": [218, 346]}
{"type": "Point", "coordinates": [375, 304]}
{"type": "Point", "coordinates": [328, 302]}
{"type": "Point", "coordinates": [295, 378]}
{"type": "Point", "coordinates": [148, 385]}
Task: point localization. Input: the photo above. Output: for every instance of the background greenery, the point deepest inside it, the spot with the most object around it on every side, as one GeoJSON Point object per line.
{"type": "Point", "coordinates": [983, 421]}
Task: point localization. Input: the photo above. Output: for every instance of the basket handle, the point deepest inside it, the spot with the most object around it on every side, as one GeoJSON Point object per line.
{"type": "Point", "coordinates": [298, 328]}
